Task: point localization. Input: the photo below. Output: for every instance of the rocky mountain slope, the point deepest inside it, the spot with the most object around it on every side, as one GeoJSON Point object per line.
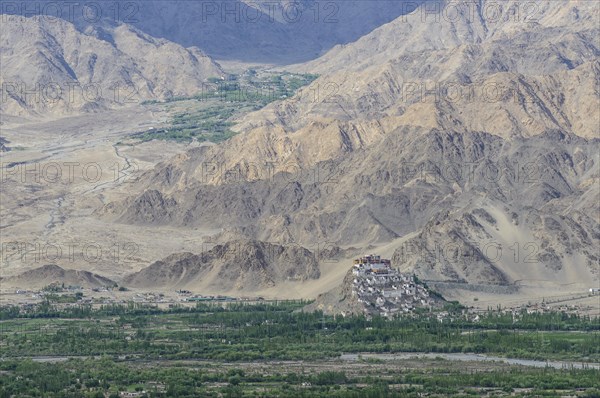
{"type": "Point", "coordinates": [237, 265]}
{"type": "Point", "coordinates": [49, 65]}
{"type": "Point", "coordinates": [483, 37]}
{"type": "Point", "coordinates": [503, 79]}
{"type": "Point", "coordinates": [338, 300]}
{"type": "Point", "coordinates": [258, 31]}
{"type": "Point", "coordinates": [369, 154]}
{"type": "Point", "coordinates": [476, 189]}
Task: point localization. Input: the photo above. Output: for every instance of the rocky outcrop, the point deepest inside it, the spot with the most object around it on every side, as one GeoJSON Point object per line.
{"type": "Point", "coordinates": [236, 265]}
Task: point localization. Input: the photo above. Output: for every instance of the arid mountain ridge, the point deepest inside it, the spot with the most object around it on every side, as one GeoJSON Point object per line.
{"type": "Point", "coordinates": [260, 31]}
{"type": "Point", "coordinates": [237, 265]}
{"type": "Point", "coordinates": [388, 162]}
{"type": "Point", "coordinates": [49, 67]}
{"type": "Point", "coordinates": [468, 145]}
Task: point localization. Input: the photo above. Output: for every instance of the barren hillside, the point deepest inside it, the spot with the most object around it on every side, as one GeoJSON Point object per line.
{"type": "Point", "coordinates": [51, 67]}
{"type": "Point", "coordinates": [371, 162]}
{"type": "Point", "coordinates": [237, 265]}
{"type": "Point", "coordinates": [257, 32]}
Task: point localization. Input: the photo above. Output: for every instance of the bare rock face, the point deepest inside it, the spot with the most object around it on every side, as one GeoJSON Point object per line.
{"type": "Point", "coordinates": [236, 265]}
{"type": "Point", "coordinates": [464, 74]}
{"type": "Point", "coordinates": [51, 273]}
{"type": "Point", "coordinates": [478, 37]}
{"type": "Point", "coordinates": [50, 66]}
{"type": "Point", "coordinates": [153, 207]}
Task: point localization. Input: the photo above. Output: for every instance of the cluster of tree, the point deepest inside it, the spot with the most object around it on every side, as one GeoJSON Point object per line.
{"type": "Point", "coordinates": [239, 332]}
{"type": "Point", "coordinates": [95, 378]}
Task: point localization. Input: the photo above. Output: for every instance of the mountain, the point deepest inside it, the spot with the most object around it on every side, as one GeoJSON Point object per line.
{"type": "Point", "coordinates": [273, 32]}
{"type": "Point", "coordinates": [475, 38]}
{"type": "Point", "coordinates": [459, 74]}
{"type": "Point", "coordinates": [49, 274]}
{"type": "Point", "coordinates": [370, 155]}
{"type": "Point", "coordinates": [238, 265]}
{"type": "Point", "coordinates": [428, 182]}
{"type": "Point", "coordinates": [259, 31]}
{"type": "Point", "coordinates": [51, 66]}
{"type": "Point", "coordinates": [505, 80]}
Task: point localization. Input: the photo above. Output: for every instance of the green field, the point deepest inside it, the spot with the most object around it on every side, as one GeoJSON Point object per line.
{"type": "Point", "coordinates": [209, 115]}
